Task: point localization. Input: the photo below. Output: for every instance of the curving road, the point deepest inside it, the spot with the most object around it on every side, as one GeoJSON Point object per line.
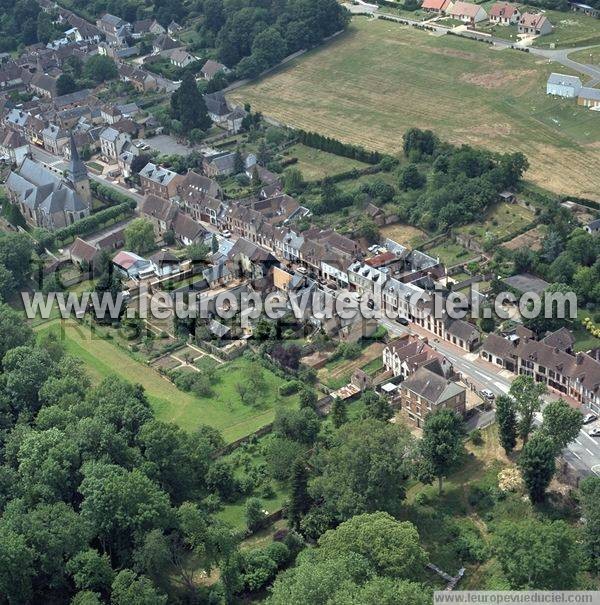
{"type": "Point", "coordinates": [562, 56]}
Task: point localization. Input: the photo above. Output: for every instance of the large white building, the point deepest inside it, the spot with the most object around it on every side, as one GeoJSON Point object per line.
{"type": "Point", "coordinates": [562, 85]}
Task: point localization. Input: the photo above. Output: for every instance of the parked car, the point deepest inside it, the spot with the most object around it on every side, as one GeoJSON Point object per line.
{"type": "Point", "coordinates": [302, 270]}
{"type": "Point", "coordinates": [487, 394]}
{"type": "Point", "coordinates": [589, 418]}
{"type": "Point", "coordinates": [226, 233]}
{"type": "Point", "coordinates": [402, 320]}
{"type": "Point", "coordinates": [594, 432]}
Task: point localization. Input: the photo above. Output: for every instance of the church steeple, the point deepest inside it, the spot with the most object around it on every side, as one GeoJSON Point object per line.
{"type": "Point", "coordinates": [77, 174]}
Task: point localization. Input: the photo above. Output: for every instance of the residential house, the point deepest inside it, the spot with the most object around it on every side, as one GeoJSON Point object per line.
{"type": "Point", "coordinates": [589, 97]}
{"type": "Point", "coordinates": [593, 227]}
{"type": "Point", "coordinates": [405, 355]}
{"type": "Point", "coordinates": [426, 391]}
{"type": "Point", "coordinates": [535, 24]}
{"type": "Point", "coordinates": [248, 260]}
{"type": "Point", "coordinates": [217, 275]}
{"type": "Point", "coordinates": [159, 181]}
{"type": "Point", "coordinates": [164, 263]}
{"type": "Point", "coordinates": [43, 85]}
{"type": "Point", "coordinates": [435, 6]}
{"type": "Point", "coordinates": [55, 139]}
{"type": "Point", "coordinates": [132, 265]}
{"type": "Point", "coordinates": [217, 107]}
{"type": "Point", "coordinates": [224, 164]}
{"type": "Point", "coordinates": [562, 85]}
{"type": "Point", "coordinates": [462, 333]}
{"type": "Point", "coordinates": [163, 42]}
{"type": "Point", "coordinates": [197, 194]}
{"type": "Point", "coordinates": [110, 114]}
{"type": "Point", "coordinates": [13, 146]}
{"type": "Point", "coordinates": [503, 13]}
{"type": "Point", "coordinates": [181, 57]}
{"type": "Point", "coordinates": [174, 28]}
{"type": "Point", "coordinates": [112, 143]}
{"type": "Point", "coordinates": [549, 361]}
{"type": "Point", "coordinates": [140, 79]}
{"type": "Point", "coordinates": [211, 68]}
{"type": "Point", "coordinates": [467, 12]}
{"type": "Point", "coordinates": [159, 211]}
{"type": "Point", "coordinates": [146, 27]}
{"type": "Point", "coordinates": [234, 121]}
{"type": "Point", "coordinates": [75, 99]}
{"type": "Point", "coordinates": [187, 230]}
{"type": "Point", "coordinates": [12, 76]}
{"type": "Point", "coordinates": [115, 29]}
{"type": "Point", "coordinates": [287, 244]}
{"type": "Point", "coordinates": [83, 253]}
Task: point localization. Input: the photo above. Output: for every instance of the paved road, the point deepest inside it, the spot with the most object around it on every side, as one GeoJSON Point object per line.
{"type": "Point", "coordinates": [583, 454]}
{"type": "Point", "coordinates": [561, 56]}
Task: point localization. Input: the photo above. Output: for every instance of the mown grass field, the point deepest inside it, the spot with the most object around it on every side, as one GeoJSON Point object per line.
{"type": "Point", "coordinates": [315, 164]}
{"type": "Point", "coordinates": [570, 30]}
{"type": "Point", "coordinates": [224, 410]}
{"type": "Point", "coordinates": [500, 221]}
{"type": "Point", "coordinates": [371, 84]}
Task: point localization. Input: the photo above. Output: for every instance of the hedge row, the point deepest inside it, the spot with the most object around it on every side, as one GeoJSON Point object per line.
{"type": "Point", "coordinates": [323, 143]}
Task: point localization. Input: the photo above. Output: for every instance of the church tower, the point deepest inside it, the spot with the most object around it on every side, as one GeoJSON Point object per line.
{"type": "Point", "coordinates": [78, 176]}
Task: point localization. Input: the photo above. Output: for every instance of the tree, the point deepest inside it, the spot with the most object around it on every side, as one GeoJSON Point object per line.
{"type": "Point", "coordinates": [254, 514]}
{"type": "Point", "coordinates": [365, 469]}
{"type": "Point", "coordinates": [139, 236]}
{"type": "Point", "coordinates": [65, 84]}
{"type": "Point", "coordinates": [339, 412]}
{"type": "Point", "coordinates": [16, 567]}
{"type": "Point", "coordinates": [527, 401]}
{"type": "Point", "coordinates": [299, 497]}
{"type": "Point", "coordinates": [376, 406]}
{"type": "Point", "coordinates": [308, 398]}
{"type": "Point", "coordinates": [188, 106]}
{"type": "Point", "coordinates": [293, 181]}
{"type": "Point", "coordinates": [537, 465]}
{"type": "Point", "coordinates": [238, 163]}
{"type": "Point", "coordinates": [100, 68]}
{"type": "Point", "coordinates": [392, 547]}
{"type": "Point", "coordinates": [214, 244]}
{"type": "Point", "coordinates": [506, 418]}
{"type": "Point", "coordinates": [562, 423]}
{"type": "Point", "coordinates": [589, 495]}
{"type": "Point", "coordinates": [197, 252]}
{"type": "Point", "coordinates": [410, 178]}
{"type": "Point", "coordinates": [91, 571]}
{"type": "Point", "coordinates": [130, 588]}
{"type": "Point", "coordinates": [14, 331]}
{"type": "Point", "coordinates": [442, 445]}
{"type": "Point", "coordinates": [536, 555]}
{"type": "Point", "coordinates": [15, 254]}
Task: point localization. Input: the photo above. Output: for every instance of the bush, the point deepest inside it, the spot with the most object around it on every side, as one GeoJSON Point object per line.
{"type": "Point", "coordinates": [476, 437]}
{"type": "Point", "coordinates": [289, 388]}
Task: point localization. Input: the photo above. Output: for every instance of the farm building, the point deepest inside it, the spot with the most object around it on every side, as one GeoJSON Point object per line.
{"type": "Point", "coordinates": [563, 86]}
{"type": "Point", "coordinates": [586, 9]}
{"type": "Point", "coordinates": [534, 24]}
{"type": "Point", "coordinates": [435, 6]}
{"type": "Point", "coordinates": [503, 13]}
{"type": "Point", "coordinates": [467, 12]}
{"type": "Point", "coordinates": [589, 97]}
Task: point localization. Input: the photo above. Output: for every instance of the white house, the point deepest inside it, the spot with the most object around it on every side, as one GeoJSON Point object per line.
{"type": "Point", "coordinates": [562, 85]}
{"type": "Point", "coordinates": [467, 12]}
{"type": "Point", "coordinates": [112, 142]}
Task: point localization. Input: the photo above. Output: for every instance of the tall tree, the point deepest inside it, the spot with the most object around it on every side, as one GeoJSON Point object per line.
{"type": "Point", "coordinates": [100, 68]}
{"type": "Point", "coordinates": [339, 413]}
{"type": "Point", "coordinates": [139, 236]}
{"type": "Point", "coordinates": [589, 492]}
{"type": "Point", "coordinates": [537, 465]}
{"type": "Point", "coordinates": [188, 106]}
{"type": "Point", "coordinates": [562, 423]}
{"type": "Point", "coordinates": [506, 418]}
{"type": "Point", "coordinates": [537, 555]}
{"type": "Point", "coordinates": [299, 498]}
{"type": "Point", "coordinates": [442, 444]}
{"type": "Point", "coordinates": [527, 399]}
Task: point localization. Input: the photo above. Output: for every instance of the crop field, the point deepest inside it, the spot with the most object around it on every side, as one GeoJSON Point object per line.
{"type": "Point", "coordinates": [223, 410]}
{"type": "Point", "coordinates": [371, 84]}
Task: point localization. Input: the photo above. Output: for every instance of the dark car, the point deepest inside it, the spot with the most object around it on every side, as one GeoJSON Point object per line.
{"type": "Point", "coordinates": [402, 320]}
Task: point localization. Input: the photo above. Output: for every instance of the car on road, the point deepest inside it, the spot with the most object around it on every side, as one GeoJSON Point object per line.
{"type": "Point", "coordinates": [402, 320]}
{"type": "Point", "coordinates": [226, 233]}
{"type": "Point", "coordinates": [487, 394]}
{"type": "Point", "coordinates": [302, 270]}
{"type": "Point", "coordinates": [594, 432]}
{"type": "Point", "coordinates": [589, 418]}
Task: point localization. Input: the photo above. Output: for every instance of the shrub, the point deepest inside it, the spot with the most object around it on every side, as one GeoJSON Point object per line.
{"type": "Point", "coordinates": [289, 388]}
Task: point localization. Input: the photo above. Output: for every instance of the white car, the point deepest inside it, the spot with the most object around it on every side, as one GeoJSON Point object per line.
{"type": "Point", "coordinates": [226, 233]}
{"type": "Point", "coordinates": [589, 418]}
{"type": "Point", "coordinates": [594, 432]}
{"type": "Point", "coordinates": [302, 270]}
{"type": "Point", "coordinates": [488, 394]}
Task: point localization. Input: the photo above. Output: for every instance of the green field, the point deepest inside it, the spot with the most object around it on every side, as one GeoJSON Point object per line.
{"type": "Point", "coordinates": [371, 84]}
{"type": "Point", "coordinates": [451, 253]}
{"type": "Point", "coordinates": [315, 164]}
{"type": "Point", "coordinates": [591, 56]}
{"type": "Point", "coordinates": [224, 410]}
{"type": "Point", "coordinates": [570, 30]}
{"type": "Point", "coordinates": [499, 222]}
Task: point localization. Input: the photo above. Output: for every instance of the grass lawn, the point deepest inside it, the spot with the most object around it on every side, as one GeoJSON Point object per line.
{"type": "Point", "coordinates": [500, 221]}
{"type": "Point", "coordinates": [315, 164]}
{"type": "Point", "coordinates": [224, 410]}
{"type": "Point", "coordinates": [507, 32]}
{"type": "Point", "coordinates": [570, 30]}
{"type": "Point", "coordinates": [451, 253]}
{"type": "Point", "coordinates": [407, 235]}
{"type": "Point", "coordinates": [591, 56]}
{"type": "Point", "coordinates": [368, 86]}
{"type": "Point", "coordinates": [584, 341]}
